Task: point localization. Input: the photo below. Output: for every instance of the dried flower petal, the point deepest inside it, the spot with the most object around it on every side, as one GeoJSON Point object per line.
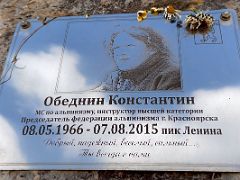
{"type": "Point", "coordinates": [170, 9]}
{"type": "Point", "coordinates": [199, 21]}
{"type": "Point", "coordinates": [192, 22]}
{"type": "Point", "coordinates": [156, 11]}
{"type": "Point", "coordinates": [170, 13]}
{"type": "Point", "coordinates": [141, 15]}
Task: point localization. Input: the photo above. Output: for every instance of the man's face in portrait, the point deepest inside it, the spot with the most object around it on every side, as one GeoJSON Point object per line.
{"type": "Point", "coordinates": [128, 51]}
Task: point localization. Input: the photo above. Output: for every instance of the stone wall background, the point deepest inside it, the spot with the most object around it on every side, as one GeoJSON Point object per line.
{"type": "Point", "coordinates": [14, 11]}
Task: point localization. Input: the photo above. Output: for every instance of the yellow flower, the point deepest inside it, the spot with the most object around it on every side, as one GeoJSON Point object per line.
{"type": "Point", "coordinates": [141, 15]}
{"type": "Point", "coordinates": [156, 11]}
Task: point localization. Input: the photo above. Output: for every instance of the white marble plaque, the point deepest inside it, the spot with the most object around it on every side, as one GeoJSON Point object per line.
{"type": "Point", "coordinates": [110, 93]}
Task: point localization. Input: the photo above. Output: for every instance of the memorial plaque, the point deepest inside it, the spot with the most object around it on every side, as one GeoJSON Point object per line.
{"type": "Point", "coordinates": [109, 92]}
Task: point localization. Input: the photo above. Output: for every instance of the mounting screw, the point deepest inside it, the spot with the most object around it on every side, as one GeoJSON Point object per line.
{"type": "Point", "coordinates": [25, 24]}
{"type": "Point", "coordinates": [226, 16]}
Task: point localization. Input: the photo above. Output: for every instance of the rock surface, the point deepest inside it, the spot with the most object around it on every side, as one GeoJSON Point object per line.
{"type": "Point", "coordinates": [14, 11]}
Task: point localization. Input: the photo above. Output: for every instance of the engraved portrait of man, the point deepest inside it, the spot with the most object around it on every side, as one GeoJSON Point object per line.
{"type": "Point", "coordinates": [120, 56]}
{"type": "Point", "coordinates": [142, 62]}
